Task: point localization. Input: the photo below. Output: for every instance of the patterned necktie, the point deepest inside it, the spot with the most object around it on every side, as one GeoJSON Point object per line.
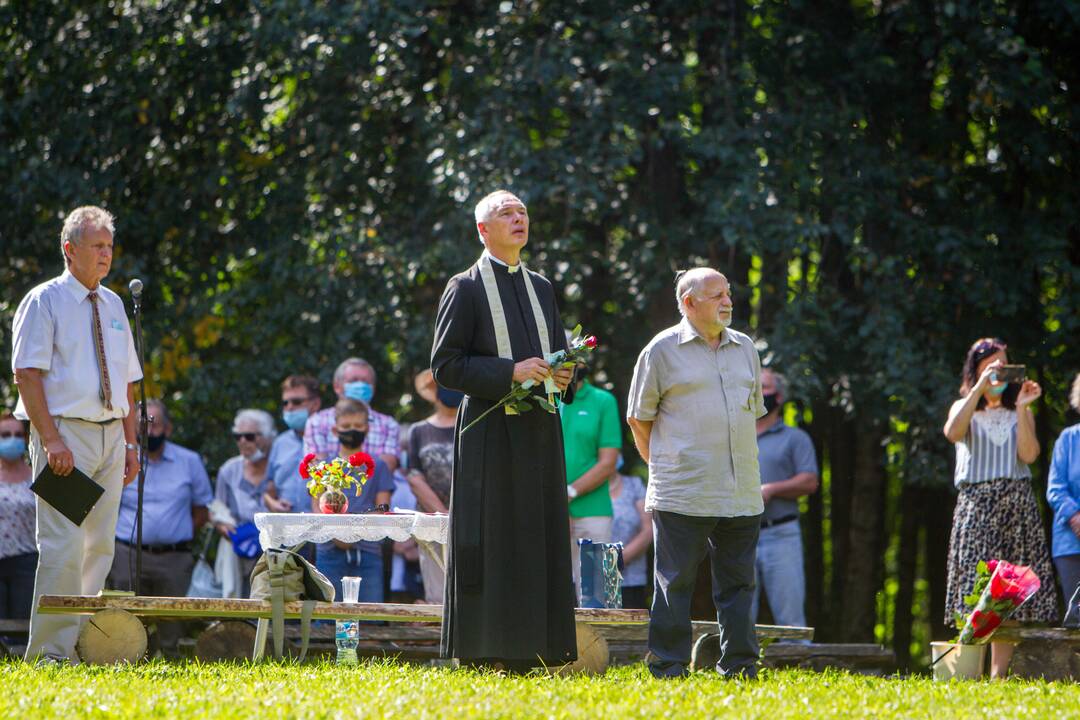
{"type": "Point", "coordinates": [99, 347]}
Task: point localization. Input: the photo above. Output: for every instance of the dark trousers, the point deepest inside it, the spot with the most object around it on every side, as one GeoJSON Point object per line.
{"type": "Point", "coordinates": [1068, 569]}
{"type": "Point", "coordinates": [681, 542]}
{"type": "Point", "coordinates": [166, 574]}
{"type": "Point", "coordinates": [17, 585]}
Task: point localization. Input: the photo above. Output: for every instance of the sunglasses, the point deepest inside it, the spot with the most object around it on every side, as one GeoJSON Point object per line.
{"type": "Point", "coordinates": [293, 402]}
{"type": "Point", "coordinates": [250, 437]}
{"type": "Point", "coordinates": [988, 345]}
{"type": "Point", "coordinates": [10, 434]}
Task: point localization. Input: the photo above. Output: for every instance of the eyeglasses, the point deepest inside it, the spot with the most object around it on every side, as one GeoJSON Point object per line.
{"type": "Point", "coordinates": [293, 402]}
{"type": "Point", "coordinates": [250, 437]}
{"type": "Point", "coordinates": [11, 433]}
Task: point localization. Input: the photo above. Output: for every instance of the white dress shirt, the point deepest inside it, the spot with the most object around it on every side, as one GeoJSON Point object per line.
{"type": "Point", "coordinates": [52, 332]}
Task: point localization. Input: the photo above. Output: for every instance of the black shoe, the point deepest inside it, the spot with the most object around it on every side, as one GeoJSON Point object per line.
{"type": "Point", "coordinates": [668, 670]}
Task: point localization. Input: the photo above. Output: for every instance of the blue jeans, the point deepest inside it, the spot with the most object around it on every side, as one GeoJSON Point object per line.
{"type": "Point", "coordinates": [779, 568]}
{"type": "Point", "coordinates": [335, 563]}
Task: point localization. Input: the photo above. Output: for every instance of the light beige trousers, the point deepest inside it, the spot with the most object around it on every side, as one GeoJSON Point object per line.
{"type": "Point", "coordinates": [75, 559]}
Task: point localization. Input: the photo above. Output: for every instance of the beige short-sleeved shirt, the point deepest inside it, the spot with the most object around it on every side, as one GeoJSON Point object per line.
{"type": "Point", "coordinates": [703, 453]}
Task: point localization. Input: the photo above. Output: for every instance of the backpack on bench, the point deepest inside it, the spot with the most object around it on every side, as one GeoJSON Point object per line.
{"type": "Point", "coordinates": [282, 575]}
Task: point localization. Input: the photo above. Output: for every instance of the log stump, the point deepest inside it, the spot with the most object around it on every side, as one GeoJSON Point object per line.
{"type": "Point", "coordinates": [111, 636]}
{"type": "Point", "coordinates": [226, 640]}
{"type": "Point", "coordinates": [593, 653]}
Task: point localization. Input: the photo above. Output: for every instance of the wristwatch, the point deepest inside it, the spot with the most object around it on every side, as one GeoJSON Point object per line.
{"type": "Point", "coordinates": [131, 446]}
{"type": "Point", "coordinates": [571, 492]}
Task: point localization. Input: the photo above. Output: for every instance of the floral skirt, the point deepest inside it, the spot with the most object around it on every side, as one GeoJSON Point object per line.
{"type": "Point", "coordinates": [999, 519]}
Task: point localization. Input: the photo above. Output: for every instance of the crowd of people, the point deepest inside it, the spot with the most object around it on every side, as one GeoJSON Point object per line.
{"type": "Point", "coordinates": [725, 471]}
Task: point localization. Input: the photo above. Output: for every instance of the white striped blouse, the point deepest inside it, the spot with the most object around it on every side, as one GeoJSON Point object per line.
{"type": "Point", "coordinates": [988, 451]}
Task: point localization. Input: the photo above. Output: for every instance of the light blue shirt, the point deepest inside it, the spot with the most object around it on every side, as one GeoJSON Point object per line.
{"type": "Point", "coordinates": [283, 468]}
{"type": "Point", "coordinates": [1063, 490]}
{"type": "Point", "coordinates": [174, 485]}
{"type": "Point", "coordinates": [241, 497]}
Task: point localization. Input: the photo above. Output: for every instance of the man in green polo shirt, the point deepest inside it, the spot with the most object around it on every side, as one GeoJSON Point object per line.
{"type": "Point", "coordinates": [592, 438]}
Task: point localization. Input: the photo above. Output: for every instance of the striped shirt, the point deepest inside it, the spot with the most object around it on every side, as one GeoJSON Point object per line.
{"type": "Point", "coordinates": [988, 450]}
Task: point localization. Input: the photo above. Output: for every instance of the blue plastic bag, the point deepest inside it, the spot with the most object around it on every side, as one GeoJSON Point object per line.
{"type": "Point", "coordinates": [601, 576]}
{"type": "Point", "coordinates": [245, 541]}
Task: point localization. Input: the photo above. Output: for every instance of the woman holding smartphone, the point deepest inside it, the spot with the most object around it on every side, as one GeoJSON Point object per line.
{"type": "Point", "coordinates": [996, 514]}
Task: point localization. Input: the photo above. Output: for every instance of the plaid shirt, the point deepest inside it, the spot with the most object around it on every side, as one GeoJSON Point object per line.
{"type": "Point", "coordinates": [382, 435]}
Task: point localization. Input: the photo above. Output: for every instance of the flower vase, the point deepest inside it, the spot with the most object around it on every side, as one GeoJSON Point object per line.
{"type": "Point", "coordinates": [955, 661]}
{"type": "Point", "coordinates": [333, 502]}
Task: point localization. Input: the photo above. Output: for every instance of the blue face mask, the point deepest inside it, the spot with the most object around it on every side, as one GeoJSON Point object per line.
{"type": "Point", "coordinates": [449, 398]}
{"type": "Point", "coordinates": [12, 448]}
{"type": "Point", "coordinates": [359, 390]}
{"type": "Point", "coordinates": [999, 389]}
{"type": "Point", "coordinates": [295, 419]}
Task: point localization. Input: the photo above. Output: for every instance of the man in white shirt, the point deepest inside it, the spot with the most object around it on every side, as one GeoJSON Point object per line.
{"type": "Point", "coordinates": [74, 361]}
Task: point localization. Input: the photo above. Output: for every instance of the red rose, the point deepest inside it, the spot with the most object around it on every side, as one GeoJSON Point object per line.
{"type": "Point", "coordinates": [590, 342]}
{"type": "Point", "coordinates": [304, 465]}
{"type": "Point", "coordinates": [984, 623]}
{"type": "Point", "coordinates": [991, 565]}
{"type": "Point", "coordinates": [1001, 588]}
{"type": "Point", "coordinates": [362, 458]}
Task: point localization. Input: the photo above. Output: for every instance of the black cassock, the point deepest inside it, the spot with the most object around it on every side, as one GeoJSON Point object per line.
{"type": "Point", "coordinates": [509, 590]}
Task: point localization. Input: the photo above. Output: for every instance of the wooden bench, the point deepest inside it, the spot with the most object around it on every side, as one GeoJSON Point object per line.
{"type": "Point", "coordinates": [1052, 653]}
{"type": "Point", "coordinates": [596, 627]}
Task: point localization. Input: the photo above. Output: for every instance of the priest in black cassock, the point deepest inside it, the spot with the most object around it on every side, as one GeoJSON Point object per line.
{"type": "Point", "coordinates": [509, 591]}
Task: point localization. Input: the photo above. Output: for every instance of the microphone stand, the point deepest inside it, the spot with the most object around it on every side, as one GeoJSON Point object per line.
{"type": "Point", "coordinates": [136, 297]}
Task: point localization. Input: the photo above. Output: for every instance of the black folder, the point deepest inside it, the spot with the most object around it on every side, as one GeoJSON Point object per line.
{"type": "Point", "coordinates": [74, 495]}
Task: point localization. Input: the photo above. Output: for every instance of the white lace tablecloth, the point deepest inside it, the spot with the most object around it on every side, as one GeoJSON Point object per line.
{"type": "Point", "coordinates": [288, 529]}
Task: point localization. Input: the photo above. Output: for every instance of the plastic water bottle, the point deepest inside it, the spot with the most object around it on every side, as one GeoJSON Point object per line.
{"type": "Point", "coordinates": [347, 632]}
{"type": "Point", "coordinates": [347, 637]}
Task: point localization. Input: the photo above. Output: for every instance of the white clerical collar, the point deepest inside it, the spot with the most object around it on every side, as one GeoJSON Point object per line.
{"type": "Point", "coordinates": [510, 268]}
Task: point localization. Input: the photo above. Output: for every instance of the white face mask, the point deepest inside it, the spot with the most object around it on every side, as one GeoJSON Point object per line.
{"type": "Point", "coordinates": [256, 456]}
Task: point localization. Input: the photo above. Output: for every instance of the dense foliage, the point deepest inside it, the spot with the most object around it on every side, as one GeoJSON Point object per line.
{"type": "Point", "coordinates": [882, 181]}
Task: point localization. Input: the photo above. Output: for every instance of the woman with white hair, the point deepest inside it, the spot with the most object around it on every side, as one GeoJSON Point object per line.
{"type": "Point", "coordinates": [242, 480]}
{"type": "Point", "coordinates": [1063, 494]}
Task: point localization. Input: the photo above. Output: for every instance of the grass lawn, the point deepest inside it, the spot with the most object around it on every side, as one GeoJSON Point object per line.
{"type": "Point", "coordinates": [391, 690]}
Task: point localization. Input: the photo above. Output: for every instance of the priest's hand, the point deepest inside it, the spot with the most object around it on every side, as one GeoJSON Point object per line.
{"type": "Point", "coordinates": [535, 369]}
{"type": "Point", "coordinates": [562, 378]}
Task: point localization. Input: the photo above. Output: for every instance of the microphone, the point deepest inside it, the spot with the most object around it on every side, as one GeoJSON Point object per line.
{"type": "Point", "coordinates": [135, 287]}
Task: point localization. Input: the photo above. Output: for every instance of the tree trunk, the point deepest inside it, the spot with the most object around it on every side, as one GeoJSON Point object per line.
{"type": "Point", "coordinates": [862, 572]}
{"type": "Point", "coordinates": [903, 614]}
{"type": "Point", "coordinates": [813, 530]}
{"type": "Point", "coordinates": [938, 509]}
{"type": "Point", "coordinates": [841, 443]}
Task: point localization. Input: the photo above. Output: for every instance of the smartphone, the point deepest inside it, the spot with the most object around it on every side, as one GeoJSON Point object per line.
{"type": "Point", "coordinates": [1011, 373]}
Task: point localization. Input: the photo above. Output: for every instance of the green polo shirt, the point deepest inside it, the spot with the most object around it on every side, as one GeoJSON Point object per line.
{"type": "Point", "coordinates": [589, 423]}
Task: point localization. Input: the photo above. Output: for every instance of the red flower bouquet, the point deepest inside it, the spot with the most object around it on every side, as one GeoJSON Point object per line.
{"type": "Point", "coordinates": [328, 479]}
{"type": "Point", "coordinates": [1000, 588]}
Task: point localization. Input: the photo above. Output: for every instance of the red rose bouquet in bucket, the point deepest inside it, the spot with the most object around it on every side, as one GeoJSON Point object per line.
{"type": "Point", "coordinates": [1000, 588]}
